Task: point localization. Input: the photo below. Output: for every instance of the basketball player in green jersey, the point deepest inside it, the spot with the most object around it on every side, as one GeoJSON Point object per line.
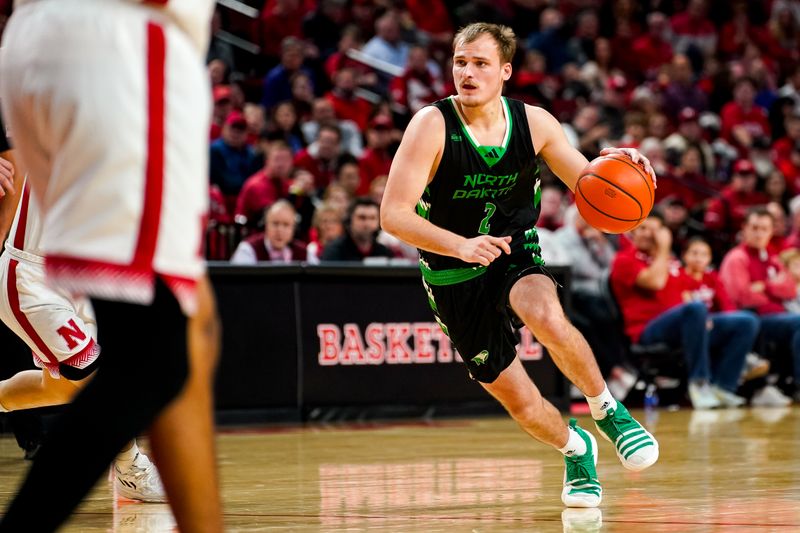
{"type": "Point", "coordinates": [464, 189]}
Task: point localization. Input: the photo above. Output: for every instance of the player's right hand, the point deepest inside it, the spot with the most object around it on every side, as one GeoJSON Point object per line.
{"type": "Point", "coordinates": [483, 249]}
{"type": "Point", "coordinates": [6, 177]}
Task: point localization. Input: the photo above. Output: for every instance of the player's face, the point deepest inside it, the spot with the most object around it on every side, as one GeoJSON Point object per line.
{"type": "Point", "coordinates": [478, 71]}
{"type": "Point", "coordinates": [697, 257]}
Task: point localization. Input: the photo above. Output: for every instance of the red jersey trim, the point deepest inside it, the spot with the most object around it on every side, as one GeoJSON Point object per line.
{"type": "Point", "coordinates": [22, 319]}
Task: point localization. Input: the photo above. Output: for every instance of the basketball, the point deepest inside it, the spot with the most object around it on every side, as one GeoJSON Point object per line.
{"type": "Point", "coordinates": [614, 194]}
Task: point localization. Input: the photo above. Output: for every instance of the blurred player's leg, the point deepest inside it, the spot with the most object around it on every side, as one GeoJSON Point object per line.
{"type": "Point", "coordinates": [94, 422]}
{"type": "Point", "coordinates": [188, 466]}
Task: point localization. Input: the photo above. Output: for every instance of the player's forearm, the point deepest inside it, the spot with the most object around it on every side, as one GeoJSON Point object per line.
{"type": "Point", "coordinates": [416, 231]}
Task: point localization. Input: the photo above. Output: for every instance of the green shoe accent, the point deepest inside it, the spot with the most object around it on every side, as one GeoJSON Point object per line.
{"type": "Point", "coordinates": [628, 437]}
{"type": "Point", "coordinates": [581, 487]}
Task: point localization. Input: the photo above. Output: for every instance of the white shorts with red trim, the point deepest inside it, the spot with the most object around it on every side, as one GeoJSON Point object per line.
{"type": "Point", "coordinates": [108, 105]}
{"type": "Point", "coordinates": [58, 328]}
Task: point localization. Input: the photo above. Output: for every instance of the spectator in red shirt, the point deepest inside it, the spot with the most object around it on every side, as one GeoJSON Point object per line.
{"type": "Point", "coordinates": [757, 280]}
{"type": "Point", "coordinates": [653, 49]}
{"type": "Point", "coordinates": [276, 243]}
{"type": "Point", "coordinates": [346, 104]}
{"type": "Point", "coordinates": [780, 234]}
{"type": "Point", "coordinates": [322, 156]}
{"type": "Point", "coordinates": [266, 186]}
{"type": "Point", "coordinates": [702, 284]}
{"type": "Point", "coordinates": [726, 213]}
{"type": "Point", "coordinates": [742, 119]}
{"type": "Point", "coordinates": [782, 148]}
{"type": "Point", "coordinates": [692, 29]}
{"type": "Point", "coordinates": [647, 282]}
{"type": "Point", "coordinates": [687, 182]}
{"type": "Point", "coordinates": [376, 159]}
{"type": "Point", "coordinates": [418, 86]}
{"type": "Point", "coordinates": [284, 18]}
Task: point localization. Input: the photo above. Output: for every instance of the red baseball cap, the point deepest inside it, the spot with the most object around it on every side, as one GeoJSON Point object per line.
{"type": "Point", "coordinates": [235, 118]}
{"type": "Point", "coordinates": [221, 92]}
{"type": "Point", "coordinates": [687, 114]}
{"type": "Point", "coordinates": [743, 166]}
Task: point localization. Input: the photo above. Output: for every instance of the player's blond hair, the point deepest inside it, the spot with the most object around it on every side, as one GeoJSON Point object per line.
{"type": "Point", "coordinates": [503, 35]}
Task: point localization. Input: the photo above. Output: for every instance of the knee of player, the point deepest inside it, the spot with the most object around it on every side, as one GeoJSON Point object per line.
{"type": "Point", "coordinates": [546, 321]}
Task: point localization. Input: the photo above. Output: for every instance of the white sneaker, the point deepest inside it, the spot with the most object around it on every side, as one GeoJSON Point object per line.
{"type": "Point", "coordinates": [140, 482]}
{"type": "Point", "coordinates": [620, 384]}
{"type": "Point", "coordinates": [702, 397]}
{"type": "Point", "coordinates": [770, 396]}
{"type": "Point", "coordinates": [755, 366]}
{"type": "Point", "coordinates": [727, 398]}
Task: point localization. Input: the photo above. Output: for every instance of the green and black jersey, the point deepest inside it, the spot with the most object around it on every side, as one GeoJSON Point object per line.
{"type": "Point", "coordinates": [482, 190]}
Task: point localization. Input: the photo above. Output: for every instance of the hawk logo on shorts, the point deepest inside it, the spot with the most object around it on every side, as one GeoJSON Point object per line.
{"type": "Point", "coordinates": [480, 359]}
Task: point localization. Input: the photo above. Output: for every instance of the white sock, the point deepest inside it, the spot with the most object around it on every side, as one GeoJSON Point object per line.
{"type": "Point", "coordinates": [575, 444]}
{"type": "Point", "coordinates": [601, 403]}
{"type": "Point", "coordinates": [125, 459]}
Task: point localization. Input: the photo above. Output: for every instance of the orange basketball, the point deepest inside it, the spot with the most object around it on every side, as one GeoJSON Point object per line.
{"type": "Point", "coordinates": [614, 194]}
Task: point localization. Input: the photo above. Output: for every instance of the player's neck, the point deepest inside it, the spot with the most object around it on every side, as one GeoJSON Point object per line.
{"type": "Point", "coordinates": [483, 116]}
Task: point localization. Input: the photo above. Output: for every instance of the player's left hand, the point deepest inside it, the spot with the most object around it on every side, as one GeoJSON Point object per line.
{"type": "Point", "coordinates": [6, 177]}
{"type": "Point", "coordinates": [636, 157]}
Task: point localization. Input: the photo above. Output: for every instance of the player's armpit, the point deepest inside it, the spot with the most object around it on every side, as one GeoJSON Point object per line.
{"type": "Point", "coordinates": [551, 143]}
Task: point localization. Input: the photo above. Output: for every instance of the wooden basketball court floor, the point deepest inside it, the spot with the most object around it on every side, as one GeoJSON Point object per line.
{"type": "Point", "coordinates": [728, 470]}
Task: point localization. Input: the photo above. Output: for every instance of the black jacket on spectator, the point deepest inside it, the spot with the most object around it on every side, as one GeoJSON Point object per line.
{"type": "Point", "coordinates": [345, 249]}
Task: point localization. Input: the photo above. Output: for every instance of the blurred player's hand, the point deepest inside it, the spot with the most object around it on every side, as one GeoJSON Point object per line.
{"type": "Point", "coordinates": [636, 157]}
{"type": "Point", "coordinates": [483, 249]}
{"type": "Point", "coordinates": [6, 177]}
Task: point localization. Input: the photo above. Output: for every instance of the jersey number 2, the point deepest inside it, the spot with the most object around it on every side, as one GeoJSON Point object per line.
{"type": "Point", "coordinates": [490, 209]}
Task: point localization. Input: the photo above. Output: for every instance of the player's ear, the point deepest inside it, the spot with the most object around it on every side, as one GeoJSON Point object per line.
{"type": "Point", "coordinates": [506, 71]}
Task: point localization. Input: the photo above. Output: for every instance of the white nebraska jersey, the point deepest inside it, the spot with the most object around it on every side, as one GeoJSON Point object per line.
{"type": "Point", "coordinates": [192, 16]}
{"type": "Point", "coordinates": [108, 104]}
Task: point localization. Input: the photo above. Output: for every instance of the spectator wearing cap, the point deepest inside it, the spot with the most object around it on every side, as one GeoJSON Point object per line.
{"type": "Point", "coordinates": [653, 49]}
{"type": "Point", "coordinates": [276, 244]}
{"type": "Point", "coordinates": [232, 160]}
{"type": "Point", "coordinates": [266, 186]}
{"type": "Point", "coordinates": [322, 113]}
{"type": "Point", "coordinates": [321, 158]}
{"type": "Point", "coordinates": [346, 105]}
{"type": "Point", "coordinates": [386, 44]}
{"type": "Point", "coordinates": [692, 30]}
{"type": "Point", "coordinates": [726, 213]}
{"type": "Point", "coordinates": [222, 108]}
{"type": "Point", "coordinates": [376, 159]}
{"type": "Point", "coordinates": [682, 91]}
{"type": "Point", "coordinates": [418, 86]}
{"type": "Point", "coordinates": [689, 133]}
{"type": "Point", "coordinates": [757, 280]}
{"type": "Point", "coordinates": [277, 82]}
{"type": "Point", "coordinates": [742, 120]}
